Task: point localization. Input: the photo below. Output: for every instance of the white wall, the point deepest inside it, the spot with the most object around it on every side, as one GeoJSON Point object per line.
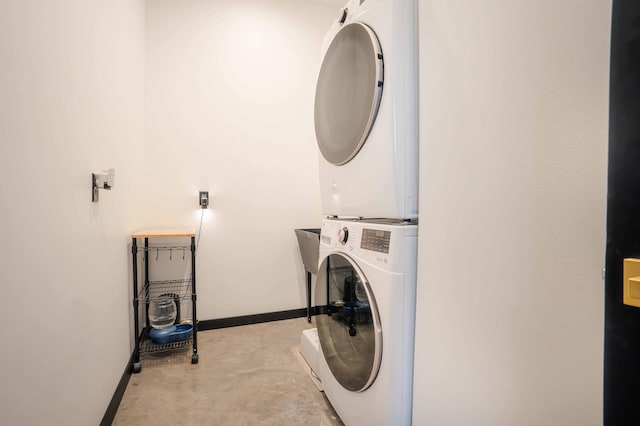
{"type": "Point", "coordinates": [71, 102]}
{"type": "Point", "coordinates": [229, 109]}
{"type": "Point", "coordinates": [229, 103]}
{"type": "Point", "coordinates": [512, 212]}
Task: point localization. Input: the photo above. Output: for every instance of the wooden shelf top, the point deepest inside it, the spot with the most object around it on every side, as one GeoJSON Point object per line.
{"type": "Point", "coordinates": [164, 233]}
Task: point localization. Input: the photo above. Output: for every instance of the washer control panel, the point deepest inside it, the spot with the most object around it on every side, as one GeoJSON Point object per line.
{"type": "Point", "coordinates": [385, 246]}
{"type": "Point", "coordinates": [375, 240]}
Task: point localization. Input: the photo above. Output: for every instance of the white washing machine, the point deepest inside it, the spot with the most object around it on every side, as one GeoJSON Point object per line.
{"type": "Point", "coordinates": [366, 112]}
{"type": "Point", "coordinates": [366, 287]}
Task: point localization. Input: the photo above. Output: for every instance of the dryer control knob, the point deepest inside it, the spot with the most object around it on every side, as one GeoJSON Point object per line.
{"type": "Point", "coordinates": [343, 235]}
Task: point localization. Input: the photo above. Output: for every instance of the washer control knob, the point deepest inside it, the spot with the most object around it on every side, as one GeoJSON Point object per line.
{"type": "Point", "coordinates": [343, 15]}
{"type": "Point", "coordinates": [343, 235]}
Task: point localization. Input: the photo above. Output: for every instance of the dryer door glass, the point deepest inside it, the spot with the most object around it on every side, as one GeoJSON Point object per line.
{"type": "Point", "coordinates": [348, 93]}
{"type": "Point", "coordinates": [349, 327]}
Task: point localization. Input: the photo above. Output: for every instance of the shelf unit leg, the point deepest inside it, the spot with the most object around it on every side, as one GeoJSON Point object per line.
{"type": "Point", "coordinates": [136, 322]}
{"type": "Point", "coordinates": [147, 324]}
{"type": "Point", "coordinates": [194, 358]}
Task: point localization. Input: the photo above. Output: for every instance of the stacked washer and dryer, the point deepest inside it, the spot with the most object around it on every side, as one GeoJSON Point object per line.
{"type": "Point", "coordinates": [367, 132]}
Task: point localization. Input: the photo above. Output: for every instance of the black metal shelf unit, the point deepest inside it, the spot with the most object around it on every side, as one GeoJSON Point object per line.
{"type": "Point", "coordinates": [180, 290]}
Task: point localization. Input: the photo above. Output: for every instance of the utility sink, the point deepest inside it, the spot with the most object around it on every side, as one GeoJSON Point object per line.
{"type": "Point", "coordinates": [309, 243]}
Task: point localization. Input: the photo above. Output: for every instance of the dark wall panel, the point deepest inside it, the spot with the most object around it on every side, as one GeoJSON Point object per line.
{"type": "Point", "coordinates": [622, 323]}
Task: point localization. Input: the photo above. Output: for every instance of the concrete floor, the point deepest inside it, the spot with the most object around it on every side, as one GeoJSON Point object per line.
{"type": "Point", "coordinates": [246, 375]}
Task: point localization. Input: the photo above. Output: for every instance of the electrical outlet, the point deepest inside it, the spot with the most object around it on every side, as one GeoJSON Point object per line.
{"type": "Point", "coordinates": [204, 199]}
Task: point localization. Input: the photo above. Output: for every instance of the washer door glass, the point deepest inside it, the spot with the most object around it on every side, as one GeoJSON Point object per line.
{"type": "Point", "coordinates": [348, 93]}
{"type": "Point", "coordinates": [349, 326]}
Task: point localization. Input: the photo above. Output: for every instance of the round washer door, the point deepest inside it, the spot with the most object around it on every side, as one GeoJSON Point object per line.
{"type": "Point", "coordinates": [348, 92]}
{"type": "Point", "coordinates": [350, 333]}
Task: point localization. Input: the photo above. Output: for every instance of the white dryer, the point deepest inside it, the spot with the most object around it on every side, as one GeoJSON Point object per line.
{"type": "Point", "coordinates": [365, 293]}
{"type": "Point", "coordinates": [365, 113]}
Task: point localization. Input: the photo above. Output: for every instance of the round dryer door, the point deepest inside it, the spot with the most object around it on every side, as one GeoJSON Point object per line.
{"type": "Point", "coordinates": [349, 330]}
{"type": "Point", "coordinates": [348, 93]}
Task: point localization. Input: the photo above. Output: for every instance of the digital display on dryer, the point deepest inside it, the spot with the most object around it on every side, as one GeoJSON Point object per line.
{"type": "Point", "coordinates": [375, 240]}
